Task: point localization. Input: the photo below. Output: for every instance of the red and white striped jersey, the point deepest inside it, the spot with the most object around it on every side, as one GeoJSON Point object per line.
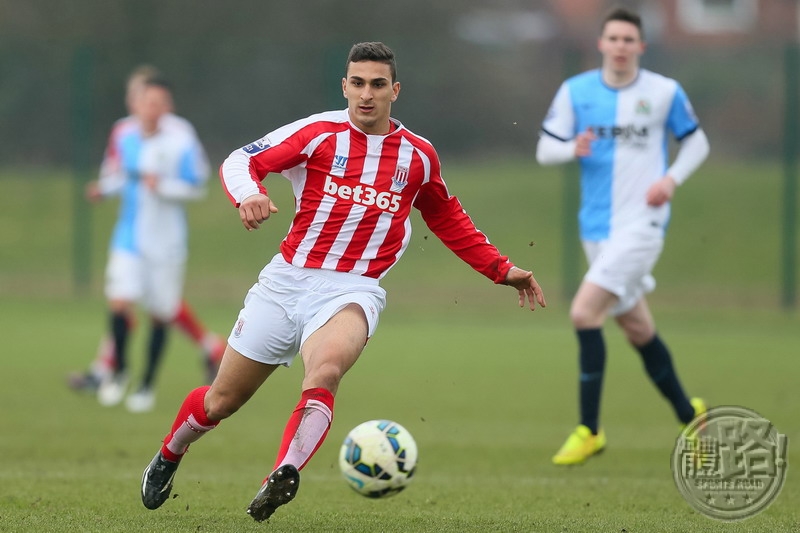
{"type": "Point", "coordinates": [353, 196]}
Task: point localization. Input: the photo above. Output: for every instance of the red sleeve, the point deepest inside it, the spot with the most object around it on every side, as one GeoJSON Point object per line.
{"type": "Point", "coordinates": [244, 169]}
{"type": "Point", "coordinates": [279, 157]}
{"type": "Point", "coordinates": [447, 219]}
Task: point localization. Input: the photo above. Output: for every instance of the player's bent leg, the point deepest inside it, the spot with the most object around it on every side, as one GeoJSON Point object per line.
{"type": "Point", "coordinates": [591, 306]}
{"type": "Point", "coordinates": [143, 399]}
{"type": "Point", "coordinates": [328, 353]}
{"type": "Point", "coordinates": [306, 429]}
{"type": "Point", "coordinates": [333, 349]}
{"type": "Point", "coordinates": [588, 312]}
{"type": "Point", "coordinates": [592, 363]}
{"type": "Point", "coordinates": [640, 329]}
{"type": "Point", "coordinates": [201, 411]}
{"type": "Point", "coordinates": [112, 389]}
{"type": "Point", "coordinates": [238, 379]}
{"type": "Point", "coordinates": [637, 324]}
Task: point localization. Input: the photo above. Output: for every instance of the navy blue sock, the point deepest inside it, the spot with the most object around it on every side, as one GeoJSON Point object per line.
{"type": "Point", "coordinates": [592, 363]}
{"type": "Point", "coordinates": [119, 332]}
{"type": "Point", "coordinates": [158, 339]}
{"type": "Point", "coordinates": [658, 363]}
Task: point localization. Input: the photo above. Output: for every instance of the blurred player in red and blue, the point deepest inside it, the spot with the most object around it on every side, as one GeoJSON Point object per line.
{"type": "Point", "coordinates": [155, 161]}
{"type": "Point", "coordinates": [356, 174]}
{"type": "Point", "coordinates": [616, 121]}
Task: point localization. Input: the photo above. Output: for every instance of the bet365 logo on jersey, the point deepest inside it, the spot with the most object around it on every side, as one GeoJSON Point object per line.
{"type": "Point", "coordinates": [363, 195]}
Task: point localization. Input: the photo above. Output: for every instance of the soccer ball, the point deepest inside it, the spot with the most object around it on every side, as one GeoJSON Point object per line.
{"type": "Point", "coordinates": [378, 458]}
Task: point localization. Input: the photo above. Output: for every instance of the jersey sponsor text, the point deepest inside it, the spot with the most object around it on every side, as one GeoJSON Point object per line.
{"type": "Point", "coordinates": [363, 195]}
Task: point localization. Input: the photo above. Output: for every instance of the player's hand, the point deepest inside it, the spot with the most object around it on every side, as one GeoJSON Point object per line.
{"type": "Point", "coordinates": [583, 143]}
{"type": "Point", "coordinates": [92, 192]}
{"type": "Point", "coordinates": [526, 284]}
{"type": "Point", "coordinates": [150, 181]}
{"type": "Point", "coordinates": [256, 209]}
{"type": "Point", "coordinates": [661, 191]}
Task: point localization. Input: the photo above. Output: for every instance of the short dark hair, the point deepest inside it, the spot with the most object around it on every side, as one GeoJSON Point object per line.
{"type": "Point", "coordinates": [624, 14]}
{"type": "Point", "coordinates": [372, 51]}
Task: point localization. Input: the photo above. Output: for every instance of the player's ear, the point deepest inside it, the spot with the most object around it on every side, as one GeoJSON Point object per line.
{"type": "Point", "coordinates": [395, 90]}
{"type": "Point", "coordinates": [344, 86]}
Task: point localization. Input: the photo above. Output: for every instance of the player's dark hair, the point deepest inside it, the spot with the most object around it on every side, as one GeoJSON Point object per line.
{"type": "Point", "coordinates": [372, 51]}
{"type": "Point", "coordinates": [624, 14]}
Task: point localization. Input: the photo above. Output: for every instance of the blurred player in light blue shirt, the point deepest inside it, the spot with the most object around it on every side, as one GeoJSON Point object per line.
{"type": "Point", "coordinates": [126, 134]}
{"type": "Point", "coordinates": [617, 121]}
{"type": "Point", "coordinates": [155, 163]}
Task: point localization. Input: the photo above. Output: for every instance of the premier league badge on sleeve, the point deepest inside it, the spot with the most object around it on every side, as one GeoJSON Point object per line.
{"type": "Point", "coordinates": [730, 463]}
{"type": "Point", "coordinates": [256, 146]}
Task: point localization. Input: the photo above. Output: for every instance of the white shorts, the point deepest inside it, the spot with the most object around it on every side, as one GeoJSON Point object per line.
{"type": "Point", "coordinates": [156, 285]}
{"type": "Point", "coordinates": [622, 265]}
{"type": "Point", "coordinates": [289, 303]}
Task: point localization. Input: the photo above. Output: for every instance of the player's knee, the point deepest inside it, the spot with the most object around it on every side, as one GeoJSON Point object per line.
{"type": "Point", "coordinates": [583, 319]}
{"type": "Point", "coordinates": [638, 333]}
{"type": "Point", "coordinates": [121, 307]}
{"type": "Point", "coordinates": [327, 376]}
{"type": "Point", "coordinates": [221, 405]}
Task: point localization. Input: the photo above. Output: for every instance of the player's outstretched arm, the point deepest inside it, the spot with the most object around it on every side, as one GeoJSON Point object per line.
{"type": "Point", "coordinates": [528, 287]}
{"type": "Point", "coordinates": [256, 209]}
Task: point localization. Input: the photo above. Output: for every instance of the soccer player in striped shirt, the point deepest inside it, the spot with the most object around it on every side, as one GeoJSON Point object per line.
{"type": "Point", "coordinates": [356, 174]}
{"type": "Point", "coordinates": [616, 120]}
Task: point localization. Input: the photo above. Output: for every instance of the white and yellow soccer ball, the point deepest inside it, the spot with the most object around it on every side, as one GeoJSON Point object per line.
{"type": "Point", "coordinates": [378, 458]}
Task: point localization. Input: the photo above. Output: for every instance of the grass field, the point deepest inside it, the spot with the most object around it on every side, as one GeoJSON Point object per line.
{"type": "Point", "coordinates": [488, 390]}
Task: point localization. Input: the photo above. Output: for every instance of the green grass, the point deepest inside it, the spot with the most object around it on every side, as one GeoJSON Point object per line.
{"type": "Point", "coordinates": [488, 390]}
{"type": "Point", "coordinates": [488, 399]}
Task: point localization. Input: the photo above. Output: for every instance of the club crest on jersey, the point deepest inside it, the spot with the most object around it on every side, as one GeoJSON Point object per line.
{"type": "Point", "coordinates": [256, 146]}
{"type": "Point", "coordinates": [237, 331]}
{"type": "Point", "coordinates": [643, 107]}
{"type": "Point", "coordinates": [400, 179]}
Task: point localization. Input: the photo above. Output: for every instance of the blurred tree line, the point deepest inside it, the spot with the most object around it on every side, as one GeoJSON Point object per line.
{"type": "Point", "coordinates": [476, 77]}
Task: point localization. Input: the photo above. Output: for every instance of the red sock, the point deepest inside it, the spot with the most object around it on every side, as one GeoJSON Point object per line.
{"type": "Point", "coordinates": [190, 424]}
{"type": "Point", "coordinates": [187, 322]}
{"type": "Point", "coordinates": [307, 428]}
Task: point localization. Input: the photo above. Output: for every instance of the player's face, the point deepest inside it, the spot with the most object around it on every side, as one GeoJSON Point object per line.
{"type": "Point", "coordinates": [134, 93]}
{"type": "Point", "coordinates": [621, 45]}
{"type": "Point", "coordinates": [370, 92]}
{"type": "Point", "coordinates": [155, 102]}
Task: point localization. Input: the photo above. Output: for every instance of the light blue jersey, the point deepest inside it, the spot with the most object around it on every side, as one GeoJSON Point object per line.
{"type": "Point", "coordinates": [631, 151]}
{"type": "Point", "coordinates": [152, 222]}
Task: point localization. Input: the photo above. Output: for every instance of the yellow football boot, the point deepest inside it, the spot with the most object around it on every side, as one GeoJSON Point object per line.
{"type": "Point", "coordinates": [700, 409]}
{"type": "Point", "coordinates": [580, 445]}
